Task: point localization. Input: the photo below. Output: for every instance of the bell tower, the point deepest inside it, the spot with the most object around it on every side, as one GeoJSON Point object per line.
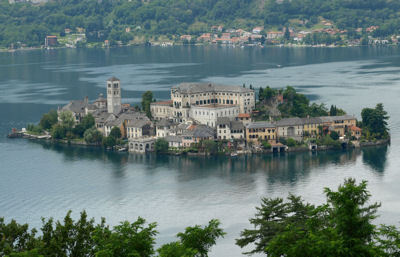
{"type": "Point", "coordinates": [113, 95]}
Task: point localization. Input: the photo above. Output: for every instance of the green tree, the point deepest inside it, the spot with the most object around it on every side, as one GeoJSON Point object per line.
{"type": "Point", "coordinates": [126, 239]}
{"type": "Point", "coordinates": [201, 239]}
{"type": "Point", "coordinates": [343, 226]}
{"type": "Point", "coordinates": [291, 142]}
{"type": "Point", "coordinates": [210, 146]}
{"type": "Point", "coordinates": [374, 120]}
{"type": "Point", "coordinates": [88, 121]}
{"type": "Point", "coordinates": [93, 136]}
{"type": "Point", "coordinates": [67, 119]}
{"type": "Point", "coordinates": [287, 34]}
{"type": "Point", "coordinates": [176, 249]}
{"type": "Point", "coordinates": [334, 135]}
{"type": "Point", "coordinates": [109, 141]}
{"type": "Point", "coordinates": [58, 131]}
{"type": "Point", "coordinates": [49, 119]}
{"type": "Point", "coordinates": [147, 99]}
{"type": "Point", "coordinates": [115, 133]}
{"type": "Point", "coordinates": [161, 145]}
{"type": "Point", "coordinates": [16, 237]}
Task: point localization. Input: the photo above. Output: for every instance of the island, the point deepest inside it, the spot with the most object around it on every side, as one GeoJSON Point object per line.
{"type": "Point", "coordinates": [206, 119]}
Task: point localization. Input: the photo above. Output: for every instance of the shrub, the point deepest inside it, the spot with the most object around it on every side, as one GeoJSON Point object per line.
{"type": "Point", "coordinates": [266, 145]}
{"type": "Point", "coordinates": [161, 145]}
{"type": "Point", "coordinates": [93, 136]}
{"type": "Point", "coordinates": [58, 131]}
{"type": "Point", "coordinates": [291, 142]}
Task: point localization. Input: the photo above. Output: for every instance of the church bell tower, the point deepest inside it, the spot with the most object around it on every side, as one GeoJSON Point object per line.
{"type": "Point", "coordinates": [113, 95]}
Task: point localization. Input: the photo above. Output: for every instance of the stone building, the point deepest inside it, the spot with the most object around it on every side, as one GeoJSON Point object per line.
{"type": "Point", "coordinates": [208, 114]}
{"type": "Point", "coordinates": [114, 95]}
{"type": "Point", "coordinates": [161, 110]}
{"type": "Point", "coordinates": [290, 128]}
{"type": "Point", "coordinates": [186, 95]}
{"type": "Point", "coordinates": [141, 145]}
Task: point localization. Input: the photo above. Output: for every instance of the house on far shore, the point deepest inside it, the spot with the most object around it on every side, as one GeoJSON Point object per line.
{"type": "Point", "coordinates": [50, 41]}
{"type": "Point", "coordinates": [258, 30]}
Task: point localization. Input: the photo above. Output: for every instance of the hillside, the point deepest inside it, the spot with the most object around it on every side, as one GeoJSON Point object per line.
{"type": "Point", "coordinates": [28, 23]}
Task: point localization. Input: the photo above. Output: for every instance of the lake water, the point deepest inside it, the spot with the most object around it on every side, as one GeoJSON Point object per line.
{"type": "Point", "coordinates": [38, 179]}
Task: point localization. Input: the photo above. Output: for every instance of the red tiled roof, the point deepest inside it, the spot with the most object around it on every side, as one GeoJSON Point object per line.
{"type": "Point", "coordinates": [163, 102]}
{"type": "Point", "coordinates": [355, 128]}
{"type": "Point", "coordinates": [191, 127]}
{"type": "Point", "coordinates": [244, 115]}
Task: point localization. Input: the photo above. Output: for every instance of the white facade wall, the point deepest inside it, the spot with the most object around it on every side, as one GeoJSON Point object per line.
{"type": "Point", "coordinates": [162, 132]}
{"type": "Point", "coordinates": [295, 132]}
{"type": "Point", "coordinates": [208, 115]}
{"type": "Point", "coordinates": [132, 132]}
{"type": "Point", "coordinates": [161, 111]}
{"type": "Point", "coordinates": [245, 100]}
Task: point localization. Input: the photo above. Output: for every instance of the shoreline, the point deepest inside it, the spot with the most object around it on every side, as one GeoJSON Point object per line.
{"type": "Point", "coordinates": [159, 44]}
{"type": "Point", "coordinates": [296, 149]}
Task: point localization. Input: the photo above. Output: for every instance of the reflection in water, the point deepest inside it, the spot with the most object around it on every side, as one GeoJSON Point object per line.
{"type": "Point", "coordinates": [283, 168]}
{"type": "Point", "coordinates": [375, 157]}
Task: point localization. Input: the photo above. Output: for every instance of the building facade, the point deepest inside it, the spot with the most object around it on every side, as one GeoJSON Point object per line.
{"type": "Point", "coordinates": [186, 95]}
{"type": "Point", "coordinates": [208, 114]}
{"type": "Point", "coordinates": [161, 110]}
{"type": "Point", "coordinates": [290, 128]}
{"type": "Point", "coordinates": [230, 129]}
{"type": "Point", "coordinates": [261, 130]}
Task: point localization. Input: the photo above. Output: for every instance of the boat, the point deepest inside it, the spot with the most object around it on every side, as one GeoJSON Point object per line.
{"type": "Point", "coordinates": [234, 154]}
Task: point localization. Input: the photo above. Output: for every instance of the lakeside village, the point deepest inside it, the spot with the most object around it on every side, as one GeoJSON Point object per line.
{"type": "Point", "coordinates": [206, 118]}
{"type": "Point", "coordinates": [322, 34]}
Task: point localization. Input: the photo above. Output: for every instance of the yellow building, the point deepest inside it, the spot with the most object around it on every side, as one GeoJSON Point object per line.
{"type": "Point", "coordinates": [257, 131]}
{"type": "Point", "coordinates": [340, 124]}
{"type": "Point", "coordinates": [311, 126]}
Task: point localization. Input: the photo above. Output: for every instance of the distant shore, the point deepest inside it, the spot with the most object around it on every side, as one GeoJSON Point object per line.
{"type": "Point", "coordinates": [160, 44]}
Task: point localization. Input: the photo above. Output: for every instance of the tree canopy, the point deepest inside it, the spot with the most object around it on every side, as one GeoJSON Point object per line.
{"type": "Point", "coordinates": [374, 121]}
{"type": "Point", "coordinates": [85, 237]}
{"type": "Point", "coordinates": [343, 226]}
{"type": "Point", "coordinates": [28, 24]}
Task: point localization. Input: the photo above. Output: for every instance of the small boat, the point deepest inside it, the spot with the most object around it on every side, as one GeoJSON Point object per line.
{"type": "Point", "coordinates": [234, 154]}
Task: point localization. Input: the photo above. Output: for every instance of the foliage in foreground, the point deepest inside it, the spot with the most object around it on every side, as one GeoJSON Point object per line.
{"type": "Point", "coordinates": [86, 238]}
{"type": "Point", "coordinates": [343, 226]}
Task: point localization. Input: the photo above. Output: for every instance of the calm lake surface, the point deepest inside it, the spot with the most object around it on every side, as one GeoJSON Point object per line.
{"type": "Point", "coordinates": [38, 179]}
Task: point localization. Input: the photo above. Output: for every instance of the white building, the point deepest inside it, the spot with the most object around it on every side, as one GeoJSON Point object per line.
{"type": "Point", "coordinates": [138, 128]}
{"type": "Point", "coordinates": [187, 95]}
{"type": "Point", "coordinates": [208, 114]}
{"type": "Point", "coordinates": [164, 127]}
{"type": "Point", "coordinates": [161, 110]}
{"type": "Point", "coordinates": [230, 129]}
